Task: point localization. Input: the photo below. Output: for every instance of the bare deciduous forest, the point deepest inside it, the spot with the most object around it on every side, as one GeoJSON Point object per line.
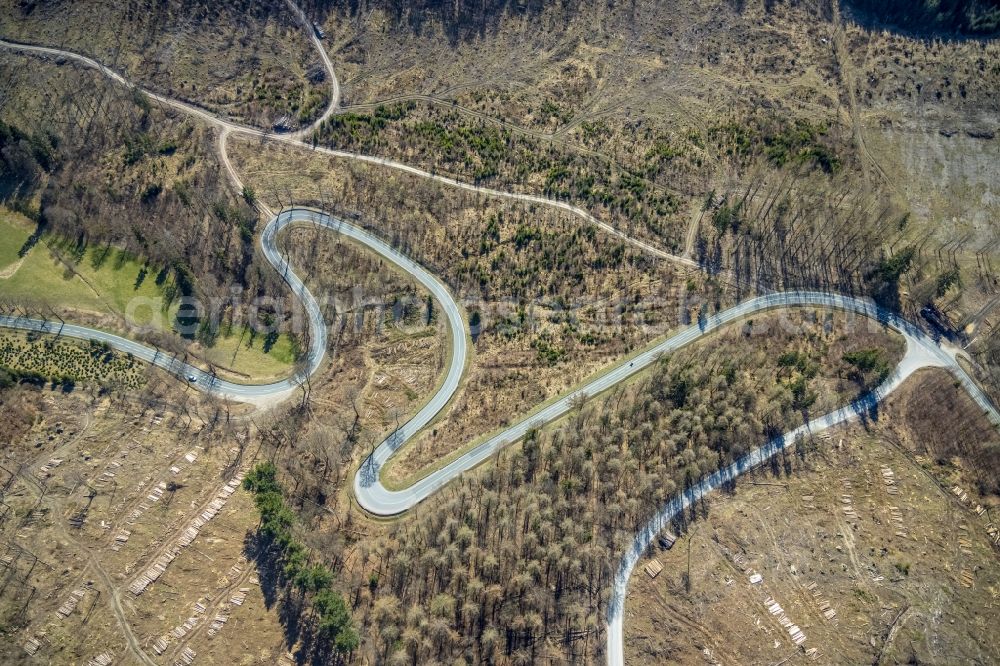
{"type": "Point", "coordinates": [246, 60]}
{"type": "Point", "coordinates": [513, 563]}
{"type": "Point", "coordinates": [103, 165]}
{"type": "Point", "coordinates": [777, 145]}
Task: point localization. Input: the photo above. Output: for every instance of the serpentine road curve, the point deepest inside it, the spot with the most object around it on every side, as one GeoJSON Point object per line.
{"type": "Point", "coordinates": [922, 351]}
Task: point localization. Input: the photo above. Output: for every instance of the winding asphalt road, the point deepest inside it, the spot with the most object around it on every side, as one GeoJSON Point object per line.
{"type": "Point", "coordinates": [313, 358]}
{"type": "Point", "coordinates": [922, 351]}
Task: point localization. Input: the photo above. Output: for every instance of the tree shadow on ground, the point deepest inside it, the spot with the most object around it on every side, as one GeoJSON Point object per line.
{"type": "Point", "coordinates": [301, 636]}
{"type": "Point", "coordinates": [929, 19]}
{"type": "Point", "coordinates": [273, 587]}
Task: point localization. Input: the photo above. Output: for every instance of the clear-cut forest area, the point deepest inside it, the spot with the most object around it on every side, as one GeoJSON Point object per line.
{"type": "Point", "coordinates": [499, 332]}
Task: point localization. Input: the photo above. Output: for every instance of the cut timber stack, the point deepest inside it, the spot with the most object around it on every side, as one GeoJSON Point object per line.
{"type": "Point", "coordinates": [160, 645]}
{"type": "Point", "coordinates": [653, 568]}
{"type": "Point", "coordinates": [71, 603]}
{"type": "Point", "coordinates": [967, 578]}
{"type": "Point", "coordinates": [896, 517]}
{"type": "Point", "coordinates": [824, 604]}
{"type": "Point", "coordinates": [667, 541]}
{"type": "Point", "coordinates": [848, 501]}
{"type": "Point", "coordinates": [217, 624]}
{"type": "Point", "coordinates": [889, 478]}
{"type": "Point", "coordinates": [181, 630]}
{"type": "Point", "coordinates": [120, 539]}
{"type": "Point", "coordinates": [31, 645]}
{"type": "Point", "coordinates": [158, 567]}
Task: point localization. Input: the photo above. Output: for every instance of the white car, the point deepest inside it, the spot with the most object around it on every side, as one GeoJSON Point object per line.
{"type": "Point", "coordinates": [192, 378]}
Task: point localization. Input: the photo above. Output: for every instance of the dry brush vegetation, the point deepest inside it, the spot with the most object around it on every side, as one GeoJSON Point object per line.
{"type": "Point", "coordinates": [763, 139]}
{"type": "Point", "coordinates": [249, 61]}
{"type": "Point", "coordinates": [863, 546]}
{"type": "Point", "coordinates": [692, 103]}
{"type": "Point", "coordinates": [475, 576]}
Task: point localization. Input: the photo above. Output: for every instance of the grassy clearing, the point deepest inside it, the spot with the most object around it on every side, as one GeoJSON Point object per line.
{"type": "Point", "coordinates": [56, 272]}
{"type": "Point", "coordinates": [105, 280]}
{"type": "Point", "coordinates": [14, 231]}
{"type": "Point", "coordinates": [244, 355]}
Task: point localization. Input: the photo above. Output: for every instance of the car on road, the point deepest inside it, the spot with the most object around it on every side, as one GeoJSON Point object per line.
{"type": "Point", "coordinates": [192, 378]}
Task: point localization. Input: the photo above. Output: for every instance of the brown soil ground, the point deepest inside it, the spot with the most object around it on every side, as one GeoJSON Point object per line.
{"type": "Point", "coordinates": [908, 568]}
